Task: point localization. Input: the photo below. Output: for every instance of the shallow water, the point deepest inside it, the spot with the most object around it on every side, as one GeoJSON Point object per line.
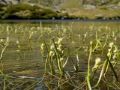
{"type": "Point", "coordinates": [16, 62]}
{"type": "Point", "coordinates": [26, 60]}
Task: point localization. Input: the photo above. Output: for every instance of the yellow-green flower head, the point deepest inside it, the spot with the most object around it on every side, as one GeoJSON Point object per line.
{"type": "Point", "coordinates": [51, 53]}
{"type": "Point", "coordinates": [17, 50]}
{"type": "Point", "coordinates": [73, 42]}
{"type": "Point", "coordinates": [31, 33]}
{"type": "Point", "coordinates": [111, 44]}
{"type": "Point", "coordinates": [59, 47]}
{"type": "Point", "coordinates": [113, 34]}
{"type": "Point", "coordinates": [79, 35]}
{"type": "Point", "coordinates": [91, 42]}
{"type": "Point", "coordinates": [1, 40]}
{"type": "Point", "coordinates": [52, 47]}
{"type": "Point", "coordinates": [115, 38]}
{"type": "Point", "coordinates": [97, 61]}
{"type": "Point", "coordinates": [64, 30]}
{"type": "Point", "coordinates": [17, 42]}
{"type": "Point", "coordinates": [85, 35]}
{"type": "Point", "coordinates": [114, 56]}
{"type": "Point", "coordinates": [59, 40]}
{"type": "Point", "coordinates": [42, 46]}
{"type": "Point", "coordinates": [61, 59]}
{"type": "Point", "coordinates": [115, 50]}
{"type": "Point", "coordinates": [7, 29]}
{"type": "Point", "coordinates": [109, 49]}
{"type": "Point", "coordinates": [108, 54]}
{"type": "Point", "coordinates": [7, 39]}
{"type": "Point", "coordinates": [62, 51]}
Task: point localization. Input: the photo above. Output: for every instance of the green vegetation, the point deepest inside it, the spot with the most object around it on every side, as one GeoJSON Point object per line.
{"type": "Point", "coordinates": [71, 3]}
{"type": "Point", "coordinates": [48, 9]}
{"type": "Point", "coordinates": [72, 55]}
{"type": "Point", "coordinates": [102, 13]}
{"type": "Point", "coordinates": [26, 11]}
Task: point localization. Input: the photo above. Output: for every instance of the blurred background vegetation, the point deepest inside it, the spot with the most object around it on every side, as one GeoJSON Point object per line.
{"type": "Point", "coordinates": [60, 9]}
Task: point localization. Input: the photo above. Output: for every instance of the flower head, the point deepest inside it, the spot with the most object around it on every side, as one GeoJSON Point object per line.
{"type": "Point", "coordinates": [59, 47]}
{"type": "Point", "coordinates": [97, 61]}
{"type": "Point", "coordinates": [17, 42]}
{"type": "Point", "coordinates": [51, 53]}
{"type": "Point", "coordinates": [42, 46]}
{"type": "Point", "coordinates": [111, 44]}
{"type": "Point", "coordinates": [59, 40]}
{"type": "Point", "coordinates": [1, 40]}
{"type": "Point", "coordinates": [52, 47]}
{"type": "Point", "coordinates": [61, 59]}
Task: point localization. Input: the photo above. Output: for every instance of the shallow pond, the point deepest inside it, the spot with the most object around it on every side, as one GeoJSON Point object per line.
{"type": "Point", "coordinates": [22, 56]}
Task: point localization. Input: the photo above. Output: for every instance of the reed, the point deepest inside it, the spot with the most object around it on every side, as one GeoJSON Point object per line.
{"type": "Point", "coordinates": [73, 58]}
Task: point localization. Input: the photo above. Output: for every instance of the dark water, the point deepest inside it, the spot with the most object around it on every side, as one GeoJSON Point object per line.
{"type": "Point", "coordinates": [54, 21]}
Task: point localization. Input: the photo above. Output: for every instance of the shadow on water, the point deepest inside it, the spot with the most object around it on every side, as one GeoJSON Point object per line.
{"type": "Point", "coordinates": [54, 21]}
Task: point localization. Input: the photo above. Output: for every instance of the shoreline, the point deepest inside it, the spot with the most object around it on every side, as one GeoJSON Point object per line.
{"type": "Point", "coordinates": [56, 20]}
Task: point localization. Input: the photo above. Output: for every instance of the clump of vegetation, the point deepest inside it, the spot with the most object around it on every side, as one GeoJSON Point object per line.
{"type": "Point", "coordinates": [26, 11]}
{"type": "Point", "coordinates": [57, 77]}
{"type": "Point", "coordinates": [82, 57]}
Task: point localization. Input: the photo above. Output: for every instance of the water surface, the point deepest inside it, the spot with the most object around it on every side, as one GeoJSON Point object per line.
{"type": "Point", "coordinates": [23, 57]}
